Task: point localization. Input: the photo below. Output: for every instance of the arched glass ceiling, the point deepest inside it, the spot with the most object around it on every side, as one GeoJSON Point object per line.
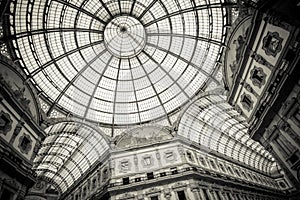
{"type": "Point", "coordinates": [213, 123]}
{"type": "Point", "coordinates": [67, 152]}
{"type": "Point", "coordinates": [118, 62]}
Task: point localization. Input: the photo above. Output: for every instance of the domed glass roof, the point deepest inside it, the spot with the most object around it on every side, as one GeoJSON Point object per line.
{"type": "Point", "coordinates": [118, 62]}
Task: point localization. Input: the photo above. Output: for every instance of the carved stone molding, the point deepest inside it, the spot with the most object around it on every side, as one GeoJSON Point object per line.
{"type": "Point", "coordinates": [153, 190]}
{"type": "Point", "coordinates": [127, 196]}
{"type": "Point", "coordinates": [276, 20]}
{"type": "Point", "coordinates": [167, 193]}
{"type": "Point", "coordinates": [179, 186]}
{"type": "Point", "coordinates": [250, 89]}
{"type": "Point", "coordinates": [261, 60]}
{"type": "Point", "coordinates": [141, 197]}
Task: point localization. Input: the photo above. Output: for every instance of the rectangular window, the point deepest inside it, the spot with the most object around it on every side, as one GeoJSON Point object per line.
{"type": "Point", "coordinates": [154, 198]}
{"type": "Point", "coordinates": [293, 159]}
{"type": "Point", "coordinates": [181, 195]}
{"type": "Point", "coordinates": [205, 194]}
{"type": "Point", "coordinates": [218, 195]}
{"type": "Point", "coordinates": [228, 196]}
{"type": "Point", "coordinates": [150, 175]}
{"type": "Point", "coordinates": [126, 181]}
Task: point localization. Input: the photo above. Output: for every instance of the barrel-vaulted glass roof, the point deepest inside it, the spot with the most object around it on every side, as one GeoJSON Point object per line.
{"type": "Point", "coordinates": [118, 62]}
{"type": "Point", "coordinates": [213, 123]}
{"type": "Point", "coordinates": [68, 151]}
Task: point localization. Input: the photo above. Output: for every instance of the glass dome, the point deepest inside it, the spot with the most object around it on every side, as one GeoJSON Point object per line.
{"type": "Point", "coordinates": [118, 62]}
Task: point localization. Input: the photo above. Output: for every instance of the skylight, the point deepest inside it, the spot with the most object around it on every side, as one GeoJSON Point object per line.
{"type": "Point", "coordinates": [118, 62]}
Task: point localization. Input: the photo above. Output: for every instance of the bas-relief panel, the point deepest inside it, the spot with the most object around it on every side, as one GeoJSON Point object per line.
{"type": "Point", "coordinates": [9, 132]}
{"type": "Point", "coordinates": [19, 91]}
{"type": "Point", "coordinates": [236, 46]}
{"type": "Point", "coordinates": [143, 136]}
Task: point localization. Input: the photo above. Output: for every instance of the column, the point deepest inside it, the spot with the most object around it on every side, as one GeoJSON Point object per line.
{"type": "Point", "coordinates": [196, 193]}
{"type": "Point", "coordinates": [210, 194]}
{"type": "Point", "coordinates": [201, 194]}
{"type": "Point", "coordinates": [214, 193]}
{"type": "Point", "coordinates": [223, 195]}
{"type": "Point", "coordinates": [231, 195]}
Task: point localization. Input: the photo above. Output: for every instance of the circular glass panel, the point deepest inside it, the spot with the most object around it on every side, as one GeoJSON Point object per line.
{"type": "Point", "coordinates": [124, 36]}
